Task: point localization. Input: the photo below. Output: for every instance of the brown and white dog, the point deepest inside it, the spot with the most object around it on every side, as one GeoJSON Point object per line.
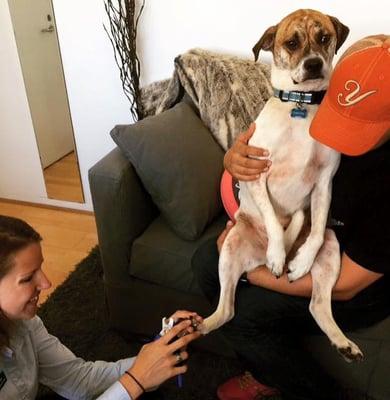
{"type": "Point", "coordinates": [272, 208]}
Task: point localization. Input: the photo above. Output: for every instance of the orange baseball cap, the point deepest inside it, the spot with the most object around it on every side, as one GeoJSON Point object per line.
{"type": "Point", "coordinates": [355, 112]}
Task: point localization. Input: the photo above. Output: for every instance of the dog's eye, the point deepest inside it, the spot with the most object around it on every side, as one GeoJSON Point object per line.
{"type": "Point", "coordinates": [324, 39]}
{"type": "Point", "coordinates": [291, 44]}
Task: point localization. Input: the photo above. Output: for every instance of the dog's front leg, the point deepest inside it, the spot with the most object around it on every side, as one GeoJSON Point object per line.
{"type": "Point", "coordinates": [276, 252]}
{"type": "Point", "coordinates": [320, 202]}
{"type": "Point", "coordinates": [231, 266]}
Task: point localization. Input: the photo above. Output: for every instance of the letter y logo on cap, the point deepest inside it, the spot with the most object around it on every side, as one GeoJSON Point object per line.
{"type": "Point", "coordinates": [350, 99]}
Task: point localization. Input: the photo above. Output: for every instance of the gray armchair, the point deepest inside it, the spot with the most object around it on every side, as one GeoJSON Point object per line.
{"type": "Point", "coordinates": [126, 217]}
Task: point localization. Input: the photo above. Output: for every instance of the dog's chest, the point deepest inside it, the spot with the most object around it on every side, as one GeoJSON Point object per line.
{"type": "Point", "coordinates": [296, 158]}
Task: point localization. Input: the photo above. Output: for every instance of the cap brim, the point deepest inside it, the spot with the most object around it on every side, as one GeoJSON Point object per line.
{"type": "Point", "coordinates": [346, 135]}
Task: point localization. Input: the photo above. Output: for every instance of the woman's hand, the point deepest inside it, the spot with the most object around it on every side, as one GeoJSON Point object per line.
{"type": "Point", "coordinates": [183, 314]}
{"type": "Point", "coordinates": [239, 159]}
{"type": "Point", "coordinates": [156, 362]}
{"type": "Point", "coordinates": [224, 233]}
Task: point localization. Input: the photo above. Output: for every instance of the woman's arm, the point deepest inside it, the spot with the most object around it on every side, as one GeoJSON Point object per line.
{"type": "Point", "coordinates": [74, 378]}
{"type": "Point", "coordinates": [68, 375]}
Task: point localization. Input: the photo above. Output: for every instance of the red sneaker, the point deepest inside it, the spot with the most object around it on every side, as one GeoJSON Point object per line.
{"type": "Point", "coordinates": [244, 387]}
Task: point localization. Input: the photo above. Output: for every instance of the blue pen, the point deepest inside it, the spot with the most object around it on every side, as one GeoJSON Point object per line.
{"type": "Point", "coordinates": [179, 380]}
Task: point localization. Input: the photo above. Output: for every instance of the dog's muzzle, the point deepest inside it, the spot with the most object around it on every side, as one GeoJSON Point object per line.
{"type": "Point", "coordinates": [313, 67]}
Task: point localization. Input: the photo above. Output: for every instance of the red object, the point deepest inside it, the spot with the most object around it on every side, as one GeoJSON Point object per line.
{"type": "Point", "coordinates": [355, 112]}
{"type": "Point", "coordinates": [244, 387]}
{"type": "Point", "coordinates": [229, 194]}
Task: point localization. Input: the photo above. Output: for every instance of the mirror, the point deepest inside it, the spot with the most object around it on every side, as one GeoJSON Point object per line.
{"type": "Point", "coordinates": [39, 54]}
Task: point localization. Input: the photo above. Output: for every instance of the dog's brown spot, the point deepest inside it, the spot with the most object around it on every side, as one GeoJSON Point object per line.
{"type": "Point", "coordinates": [257, 233]}
{"type": "Point", "coordinates": [234, 242]}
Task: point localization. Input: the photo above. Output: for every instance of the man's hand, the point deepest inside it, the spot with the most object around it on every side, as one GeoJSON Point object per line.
{"type": "Point", "coordinates": [240, 159]}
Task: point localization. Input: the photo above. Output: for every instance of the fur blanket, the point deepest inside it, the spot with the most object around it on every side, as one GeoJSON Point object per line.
{"type": "Point", "coordinates": [229, 92]}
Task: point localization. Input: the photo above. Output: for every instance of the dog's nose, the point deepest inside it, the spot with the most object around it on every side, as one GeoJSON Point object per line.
{"type": "Point", "coordinates": [313, 65]}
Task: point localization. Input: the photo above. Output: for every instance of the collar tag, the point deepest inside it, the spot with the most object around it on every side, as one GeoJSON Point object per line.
{"type": "Point", "coordinates": [298, 113]}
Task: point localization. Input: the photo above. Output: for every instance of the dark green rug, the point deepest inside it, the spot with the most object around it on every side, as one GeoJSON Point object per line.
{"type": "Point", "coordinates": [76, 314]}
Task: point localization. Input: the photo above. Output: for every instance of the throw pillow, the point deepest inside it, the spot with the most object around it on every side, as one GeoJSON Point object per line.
{"type": "Point", "coordinates": [179, 164]}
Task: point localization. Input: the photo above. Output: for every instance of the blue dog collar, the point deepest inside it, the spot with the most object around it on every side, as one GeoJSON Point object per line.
{"type": "Point", "coordinates": [300, 97]}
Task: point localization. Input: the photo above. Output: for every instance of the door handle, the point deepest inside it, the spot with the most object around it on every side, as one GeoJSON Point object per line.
{"type": "Point", "coordinates": [49, 29]}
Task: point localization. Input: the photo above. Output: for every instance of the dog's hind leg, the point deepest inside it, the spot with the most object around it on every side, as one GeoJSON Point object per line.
{"type": "Point", "coordinates": [325, 271]}
{"type": "Point", "coordinates": [293, 230]}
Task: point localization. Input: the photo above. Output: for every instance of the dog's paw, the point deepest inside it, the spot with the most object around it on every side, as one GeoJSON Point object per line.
{"type": "Point", "coordinates": [276, 257]}
{"type": "Point", "coordinates": [299, 266]}
{"type": "Point", "coordinates": [295, 271]}
{"type": "Point", "coordinates": [350, 352]}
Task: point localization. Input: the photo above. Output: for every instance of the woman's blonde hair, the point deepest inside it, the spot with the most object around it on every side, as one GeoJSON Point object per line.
{"type": "Point", "coordinates": [15, 235]}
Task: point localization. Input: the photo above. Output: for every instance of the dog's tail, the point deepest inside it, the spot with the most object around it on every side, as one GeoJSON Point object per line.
{"type": "Point", "coordinates": [293, 229]}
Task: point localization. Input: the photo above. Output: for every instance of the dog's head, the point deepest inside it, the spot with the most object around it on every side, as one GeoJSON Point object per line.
{"type": "Point", "coordinates": [303, 46]}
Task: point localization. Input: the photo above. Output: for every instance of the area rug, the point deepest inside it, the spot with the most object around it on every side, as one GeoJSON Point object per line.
{"type": "Point", "coordinates": [76, 314]}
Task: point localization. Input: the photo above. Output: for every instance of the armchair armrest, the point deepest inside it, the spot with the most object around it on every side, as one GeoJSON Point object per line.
{"type": "Point", "coordinates": [123, 210]}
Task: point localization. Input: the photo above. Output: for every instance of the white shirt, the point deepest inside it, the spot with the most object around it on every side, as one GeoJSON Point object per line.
{"type": "Point", "coordinates": [36, 356]}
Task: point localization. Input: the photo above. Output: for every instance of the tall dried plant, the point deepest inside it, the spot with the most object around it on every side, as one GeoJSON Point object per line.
{"type": "Point", "coordinates": [123, 19]}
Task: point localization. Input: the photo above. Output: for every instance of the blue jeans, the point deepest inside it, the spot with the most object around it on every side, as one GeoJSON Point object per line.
{"type": "Point", "coordinates": [267, 329]}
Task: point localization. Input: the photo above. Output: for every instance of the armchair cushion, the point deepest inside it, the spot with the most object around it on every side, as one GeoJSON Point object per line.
{"type": "Point", "coordinates": [161, 257]}
{"type": "Point", "coordinates": [179, 164]}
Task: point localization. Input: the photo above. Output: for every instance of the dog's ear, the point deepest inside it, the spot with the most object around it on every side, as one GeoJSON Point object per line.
{"type": "Point", "coordinates": [342, 31]}
{"type": "Point", "coordinates": [266, 42]}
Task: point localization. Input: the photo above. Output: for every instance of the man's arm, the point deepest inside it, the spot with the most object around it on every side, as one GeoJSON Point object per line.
{"type": "Point", "coordinates": [241, 160]}
{"type": "Point", "coordinates": [353, 278]}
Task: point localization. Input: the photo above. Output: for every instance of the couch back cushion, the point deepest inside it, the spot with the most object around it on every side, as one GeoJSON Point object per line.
{"type": "Point", "coordinates": [180, 165]}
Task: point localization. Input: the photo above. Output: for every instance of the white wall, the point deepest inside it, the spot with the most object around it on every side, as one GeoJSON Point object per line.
{"type": "Point", "coordinates": [167, 28]}
{"type": "Point", "coordinates": [170, 27]}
